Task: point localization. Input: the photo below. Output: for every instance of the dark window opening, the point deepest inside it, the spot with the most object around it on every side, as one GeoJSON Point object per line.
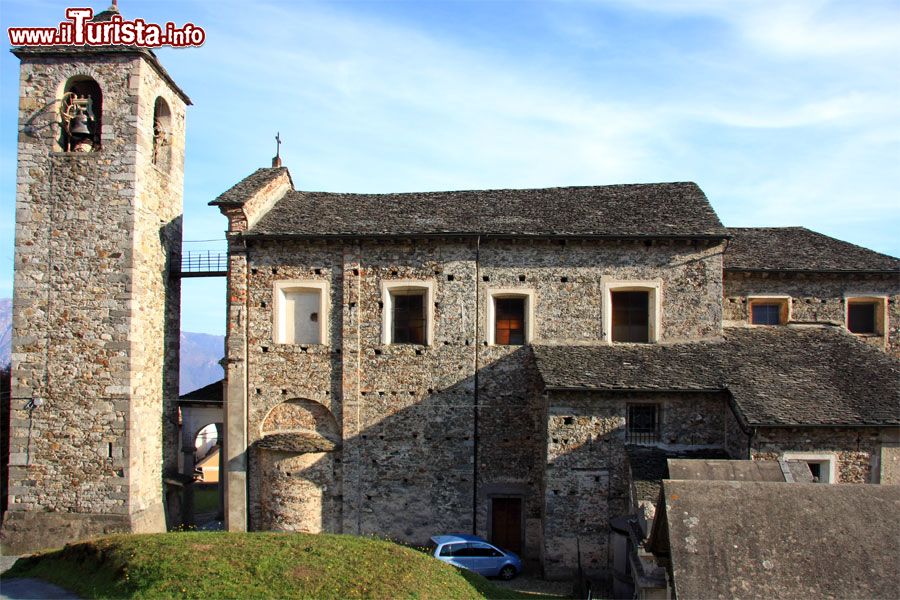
{"type": "Point", "coordinates": [81, 111]}
{"type": "Point", "coordinates": [631, 317]}
{"type": "Point", "coordinates": [861, 317]}
{"type": "Point", "coordinates": [816, 470]}
{"type": "Point", "coordinates": [509, 319]}
{"type": "Point", "coordinates": [765, 313]}
{"type": "Point", "coordinates": [408, 317]}
{"type": "Point", "coordinates": [642, 424]}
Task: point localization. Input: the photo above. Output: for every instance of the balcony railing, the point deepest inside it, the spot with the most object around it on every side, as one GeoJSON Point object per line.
{"type": "Point", "coordinates": [204, 263]}
{"type": "Point", "coordinates": [641, 437]}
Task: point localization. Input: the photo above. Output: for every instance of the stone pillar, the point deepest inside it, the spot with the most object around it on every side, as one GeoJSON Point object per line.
{"type": "Point", "coordinates": [235, 475]}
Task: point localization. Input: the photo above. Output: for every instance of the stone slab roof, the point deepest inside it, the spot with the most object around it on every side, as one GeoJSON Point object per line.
{"type": "Point", "coordinates": [777, 376]}
{"type": "Point", "coordinates": [658, 210]}
{"type": "Point", "coordinates": [244, 189]}
{"type": "Point", "coordinates": [212, 393]}
{"type": "Point", "coordinates": [725, 470]}
{"type": "Point", "coordinates": [730, 539]}
{"type": "Point", "coordinates": [650, 465]}
{"type": "Point", "coordinates": [799, 249]}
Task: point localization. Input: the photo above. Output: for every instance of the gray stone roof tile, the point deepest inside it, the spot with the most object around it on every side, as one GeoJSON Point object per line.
{"type": "Point", "coordinates": [799, 249]}
{"type": "Point", "coordinates": [778, 376]}
{"type": "Point", "coordinates": [240, 192]}
{"type": "Point", "coordinates": [759, 539]}
{"type": "Point", "coordinates": [641, 210]}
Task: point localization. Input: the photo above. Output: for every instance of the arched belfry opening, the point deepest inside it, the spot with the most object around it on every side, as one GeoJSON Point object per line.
{"type": "Point", "coordinates": [81, 115]}
{"type": "Point", "coordinates": [162, 135]}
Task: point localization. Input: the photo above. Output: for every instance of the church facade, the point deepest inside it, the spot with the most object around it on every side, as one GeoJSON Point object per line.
{"type": "Point", "coordinates": [405, 365]}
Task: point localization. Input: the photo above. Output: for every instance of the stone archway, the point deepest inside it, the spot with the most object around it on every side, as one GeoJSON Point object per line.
{"type": "Point", "coordinates": [299, 455]}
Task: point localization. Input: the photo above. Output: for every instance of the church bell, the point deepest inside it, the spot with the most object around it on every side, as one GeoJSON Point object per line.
{"type": "Point", "coordinates": [78, 125]}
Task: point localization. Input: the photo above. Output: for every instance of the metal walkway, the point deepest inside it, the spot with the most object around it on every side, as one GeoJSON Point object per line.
{"type": "Point", "coordinates": [203, 263]}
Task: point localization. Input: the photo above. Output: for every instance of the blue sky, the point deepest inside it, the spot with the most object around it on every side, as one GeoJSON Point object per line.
{"type": "Point", "coordinates": [785, 112]}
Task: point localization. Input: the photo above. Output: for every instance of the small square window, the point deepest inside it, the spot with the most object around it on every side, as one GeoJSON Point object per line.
{"type": "Point", "coordinates": [765, 314]}
{"type": "Point", "coordinates": [408, 317]}
{"type": "Point", "coordinates": [642, 424]}
{"type": "Point", "coordinates": [769, 311]}
{"type": "Point", "coordinates": [509, 319]}
{"type": "Point", "coordinates": [300, 312]}
{"type": "Point", "coordinates": [862, 317]}
{"type": "Point", "coordinates": [407, 312]}
{"type": "Point", "coordinates": [509, 316]}
{"type": "Point", "coordinates": [631, 317]}
{"type": "Point", "coordinates": [821, 467]}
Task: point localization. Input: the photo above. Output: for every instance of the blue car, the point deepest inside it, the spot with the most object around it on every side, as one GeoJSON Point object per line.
{"type": "Point", "coordinates": [476, 554]}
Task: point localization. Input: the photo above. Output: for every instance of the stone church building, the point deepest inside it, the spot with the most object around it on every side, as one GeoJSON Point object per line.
{"type": "Point", "coordinates": [505, 361]}
{"type": "Point", "coordinates": [514, 363]}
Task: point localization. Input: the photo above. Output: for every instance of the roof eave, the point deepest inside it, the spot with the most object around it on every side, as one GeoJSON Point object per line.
{"type": "Point", "coordinates": [814, 271]}
{"type": "Point", "coordinates": [566, 388]}
{"type": "Point", "coordinates": [444, 234]}
{"type": "Point", "coordinates": [21, 52]}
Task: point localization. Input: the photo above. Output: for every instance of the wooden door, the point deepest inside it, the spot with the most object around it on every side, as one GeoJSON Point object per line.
{"type": "Point", "coordinates": [506, 523]}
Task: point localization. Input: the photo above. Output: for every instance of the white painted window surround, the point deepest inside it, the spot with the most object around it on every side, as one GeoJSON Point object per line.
{"type": "Point", "coordinates": [490, 314]}
{"type": "Point", "coordinates": [300, 311]}
{"type": "Point", "coordinates": [387, 312]}
{"type": "Point", "coordinates": [654, 289]}
{"type": "Point", "coordinates": [828, 460]}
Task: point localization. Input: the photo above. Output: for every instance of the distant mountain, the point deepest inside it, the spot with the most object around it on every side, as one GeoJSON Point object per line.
{"type": "Point", "coordinates": [200, 352]}
{"type": "Point", "coordinates": [5, 331]}
{"type": "Point", "coordinates": [200, 356]}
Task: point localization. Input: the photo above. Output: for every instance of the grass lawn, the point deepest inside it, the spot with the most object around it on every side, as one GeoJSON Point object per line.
{"type": "Point", "coordinates": [252, 565]}
{"type": "Point", "coordinates": [206, 498]}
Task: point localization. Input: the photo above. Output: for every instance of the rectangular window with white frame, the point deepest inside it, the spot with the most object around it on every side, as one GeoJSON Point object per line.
{"type": "Point", "coordinates": [510, 317]}
{"type": "Point", "coordinates": [300, 314]}
{"type": "Point", "coordinates": [408, 312]}
{"type": "Point", "coordinates": [632, 311]}
{"type": "Point", "coordinates": [822, 465]}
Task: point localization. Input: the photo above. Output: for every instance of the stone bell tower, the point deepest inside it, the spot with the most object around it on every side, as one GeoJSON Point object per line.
{"type": "Point", "coordinates": [95, 310]}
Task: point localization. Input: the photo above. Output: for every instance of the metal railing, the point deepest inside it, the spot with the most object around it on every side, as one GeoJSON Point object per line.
{"type": "Point", "coordinates": [641, 437]}
{"type": "Point", "coordinates": [204, 263]}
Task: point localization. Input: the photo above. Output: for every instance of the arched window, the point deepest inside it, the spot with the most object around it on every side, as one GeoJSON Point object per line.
{"type": "Point", "coordinates": [162, 135]}
{"type": "Point", "coordinates": [81, 115]}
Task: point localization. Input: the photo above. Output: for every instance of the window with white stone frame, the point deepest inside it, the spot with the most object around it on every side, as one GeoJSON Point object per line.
{"type": "Point", "coordinates": [510, 316]}
{"type": "Point", "coordinates": [407, 312]}
{"type": "Point", "coordinates": [822, 465]}
{"type": "Point", "coordinates": [632, 311]}
{"type": "Point", "coordinates": [866, 314]}
{"type": "Point", "coordinates": [300, 312]}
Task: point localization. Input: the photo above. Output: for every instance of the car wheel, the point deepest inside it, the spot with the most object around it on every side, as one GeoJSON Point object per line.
{"type": "Point", "coordinates": [507, 572]}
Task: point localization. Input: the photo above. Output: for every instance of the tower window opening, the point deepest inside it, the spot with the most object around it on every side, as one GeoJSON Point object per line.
{"type": "Point", "coordinates": [81, 116]}
{"type": "Point", "coordinates": [162, 135]}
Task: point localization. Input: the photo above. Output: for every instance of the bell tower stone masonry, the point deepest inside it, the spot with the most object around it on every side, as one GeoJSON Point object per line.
{"type": "Point", "coordinates": [96, 305]}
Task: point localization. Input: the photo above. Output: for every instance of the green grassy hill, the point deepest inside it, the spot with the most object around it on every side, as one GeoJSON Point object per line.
{"type": "Point", "coordinates": [252, 565]}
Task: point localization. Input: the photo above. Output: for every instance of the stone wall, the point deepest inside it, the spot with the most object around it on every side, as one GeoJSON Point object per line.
{"type": "Point", "coordinates": [856, 449]}
{"type": "Point", "coordinates": [92, 310]}
{"type": "Point", "coordinates": [430, 434]}
{"type": "Point", "coordinates": [817, 297]}
{"type": "Point", "coordinates": [586, 479]}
